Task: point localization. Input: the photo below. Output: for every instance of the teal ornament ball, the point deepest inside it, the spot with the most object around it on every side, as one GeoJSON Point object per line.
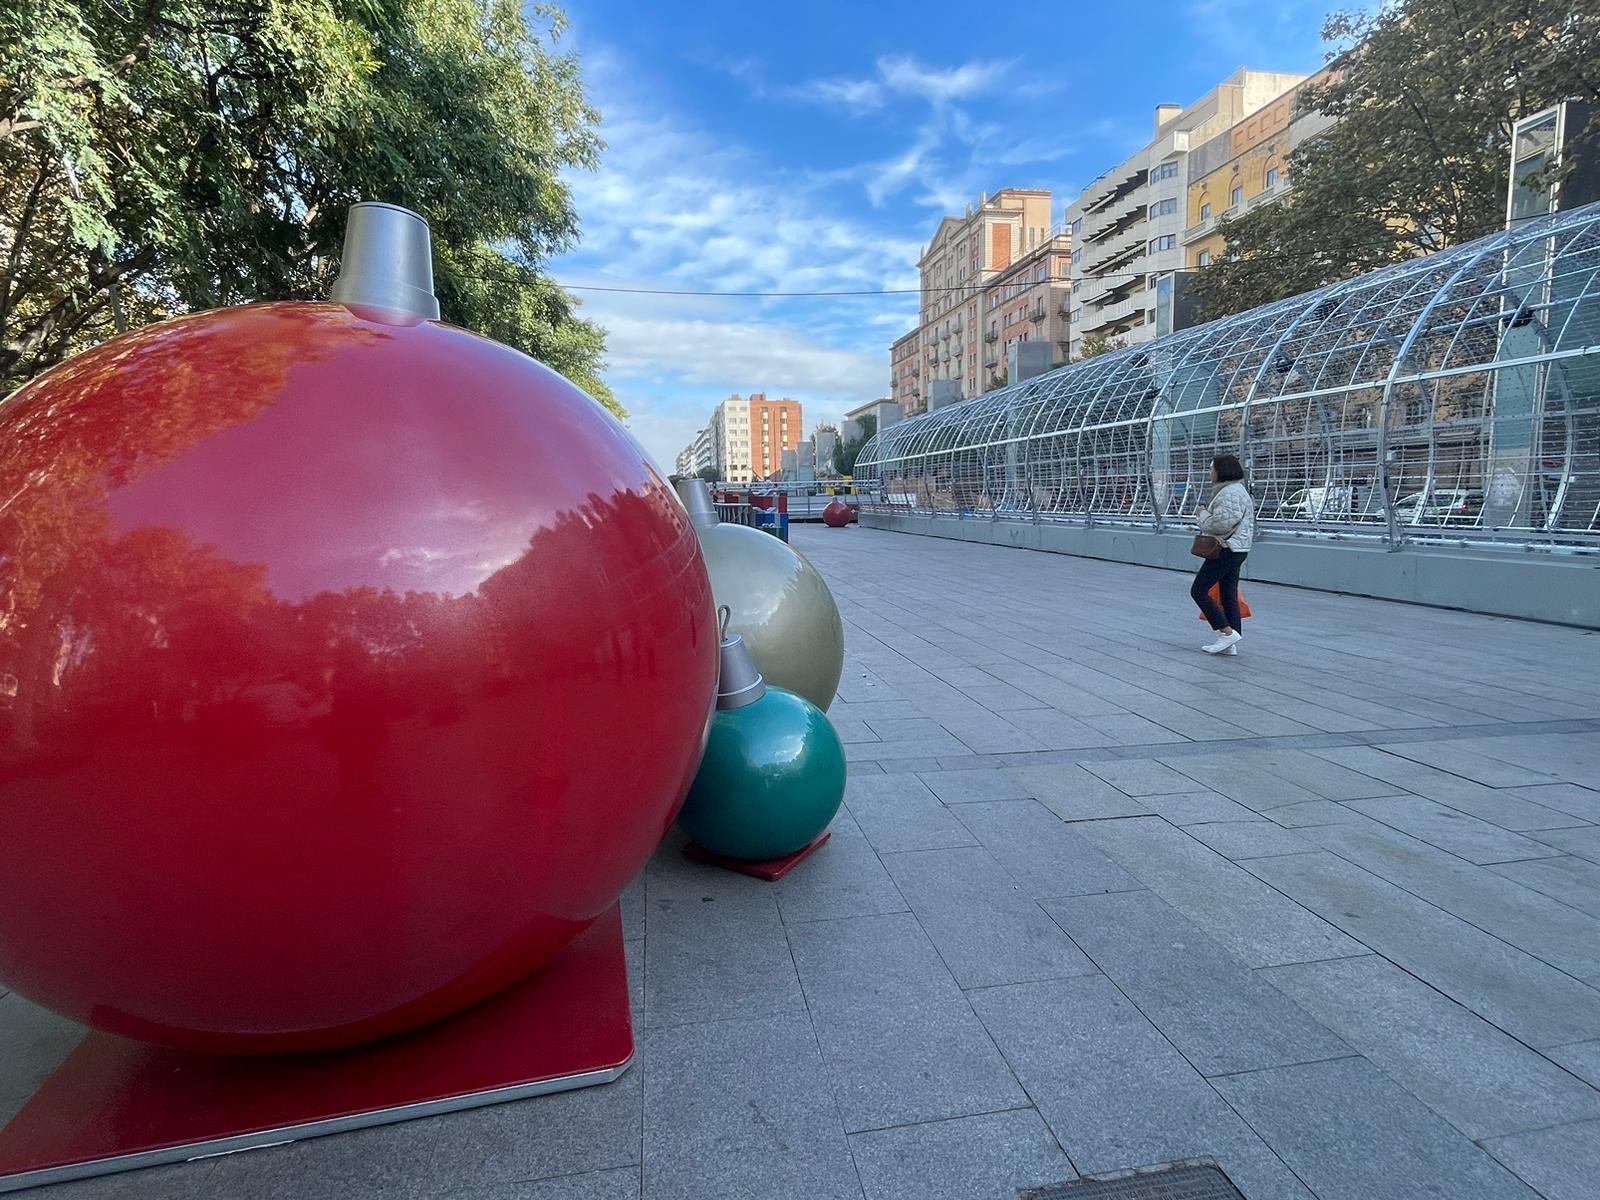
{"type": "Point", "coordinates": [771, 780]}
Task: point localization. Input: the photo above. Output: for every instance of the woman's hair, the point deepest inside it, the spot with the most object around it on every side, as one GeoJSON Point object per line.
{"type": "Point", "coordinates": [1228, 468]}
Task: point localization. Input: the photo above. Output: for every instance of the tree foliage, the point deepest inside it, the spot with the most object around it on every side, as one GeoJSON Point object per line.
{"type": "Point", "coordinates": [1425, 94]}
{"type": "Point", "coordinates": [1096, 344]}
{"type": "Point", "coordinates": [845, 453]}
{"type": "Point", "coordinates": [162, 156]}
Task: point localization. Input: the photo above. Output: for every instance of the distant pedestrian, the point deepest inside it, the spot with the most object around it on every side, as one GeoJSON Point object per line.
{"type": "Point", "coordinates": [1227, 525]}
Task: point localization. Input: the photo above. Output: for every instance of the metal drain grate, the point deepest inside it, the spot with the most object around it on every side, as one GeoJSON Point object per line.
{"type": "Point", "coordinates": [1175, 1182]}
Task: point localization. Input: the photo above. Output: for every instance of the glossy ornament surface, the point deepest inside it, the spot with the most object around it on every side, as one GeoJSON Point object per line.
{"type": "Point", "coordinates": [352, 664]}
{"type": "Point", "coordinates": [837, 515]}
{"type": "Point", "coordinates": [781, 607]}
{"type": "Point", "coordinates": [771, 780]}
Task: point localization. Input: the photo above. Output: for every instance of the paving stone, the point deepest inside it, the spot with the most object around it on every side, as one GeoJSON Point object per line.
{"type": "Point", "coordinates": [907, 728]}
{"type": "Point", "coordinates": [985, 927]}
{"type": "Point", "coordinates": [1248, 839]}
{"type": "Point", "coordinates": [845, 878]}
{"type": "Point", "coordinates": [1141, 776]}
{"type": "Point", "coordinates": [1482, 1081]}
{"type": "Point", "coordinates": [930, 747]}
{"type": "Point", "coordinates": [367, 1164]}
{"type": "Point", "coordinates": [1527, 998]}
{"type": "Point", "coordinates": [852, 729]}
{"type": "Point", "coordinates": [1327, 779]}
{"type": "Point", "coordinates": [1252, 922]}
{"type": "Point", "coordinates": [1561, 1163]}
{"type": "Point", "coordinates": [633, 909]}
{"type": "Point", "coordinates": [1055, 730]}
{"type": "Point", "coordinates": [1234, 776]}
{"type": "Point", "coordinates": [988, 1157]}
{"type": "Point", "coordinates": [1569, 798]}
{"type": "Point", "coordinates": [900, 1040]}
{"type": "Point", "coordinates": [1581, 1058]}
{"type": "Point", "coordinates": [986, 733]}
{"type": "Point", "coordinates": [1002, 697]}
{"type": "Point", "coordinates": [185, 1181]}
{"type": "Point", "coordinates": [1474, 840]}
{"type": "Point", "coordinates": [716, 947]}
{"type": "Point", "coordinates": [1457, 758]}
{"type": "Point", "coordinates": [1114, 1091]}
{"type": "Point", "coordinates": [1130, 730]}
{"type": "Point", "coordinates": [1353, 1134]}
{"type": "Point", "coordinates": [1312, 812]}
{"type": "Point", "coordinates": [1585, 842]}
{"type": "Point", "coordinates": [718, 1121]}
{"type": "Point", "coordinates": [906, 816]}
{"type": "Point", "coordinates": [1545, 928]}
{"type": "Point", "coordinates": [1046, 856]}
{"type": "Point", "coordinates": [33, 1043]}
{"type": "Point", "coordinates": [966, 787]}
{"type": "Point", "coordinates": [593, 1185]}
{"type": "Point", "coordinates": [1073, 794]}
{"type": "Point", "coordinates": [1191, 808]}
{"type": "Point", "coordinates": [1212, 1008]}
{"type": "Point", "coordinates": [1571, 880]}
{"type": "Point", "coordinates": [1486, 803]}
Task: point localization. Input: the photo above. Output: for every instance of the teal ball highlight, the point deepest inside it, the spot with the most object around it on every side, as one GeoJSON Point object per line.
{"type": "Point", "coordinates": [771, 780]}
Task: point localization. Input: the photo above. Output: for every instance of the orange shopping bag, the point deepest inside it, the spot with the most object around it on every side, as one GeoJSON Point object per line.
{"type": "Point", "coordinates": [1216, 596]}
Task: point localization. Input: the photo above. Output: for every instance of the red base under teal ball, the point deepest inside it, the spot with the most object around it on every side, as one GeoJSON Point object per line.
{"type": "Point", "coordinates": [771, 780]}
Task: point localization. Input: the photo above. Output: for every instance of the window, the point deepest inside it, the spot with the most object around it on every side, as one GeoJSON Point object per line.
{"type": "Point", "coordinates": [1164, 171]}
{"type": "Point", "coordinates": [1038, 276]}
{"type": "Point", "coordinates": [1077, 227]}
{"type": "Point", "coordinates": [1077, 255]}
{"type": "Point", "coordinates": [1203, 259]}
{"type": "Point", "coordinates": [1272, 177]}
{"type": "Point", "coordinates": [1163, 243]}
{"type": "Point", "coordinates": [1205, 212]}
{"type": "Point", "coordinates": [1162, 207]}
{"type": "Point", "coordinates": [1236, 197]}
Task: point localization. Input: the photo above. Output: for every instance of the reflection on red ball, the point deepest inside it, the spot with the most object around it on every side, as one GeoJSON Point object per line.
{"type": "Point", "coordinates": [837, 515]}
{"type": "Point", "coordinates": [351, 665]}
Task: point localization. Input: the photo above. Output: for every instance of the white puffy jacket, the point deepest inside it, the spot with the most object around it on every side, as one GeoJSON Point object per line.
{"type": "Point", "coordinates": [1230, 516]}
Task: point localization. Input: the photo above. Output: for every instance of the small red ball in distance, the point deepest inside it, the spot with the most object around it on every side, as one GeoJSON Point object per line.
{"type": "Point", "coordinates": [352, 665]}
{"type": "Point", "coordinates": [837, 515]}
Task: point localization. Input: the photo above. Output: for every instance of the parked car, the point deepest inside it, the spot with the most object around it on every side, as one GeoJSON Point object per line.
{"type": "Point", "coordinates": [1442, 506]}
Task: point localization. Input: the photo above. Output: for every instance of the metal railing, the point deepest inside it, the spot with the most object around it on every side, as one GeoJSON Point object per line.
{"type": "Point", "coordinates": [1451, 398]}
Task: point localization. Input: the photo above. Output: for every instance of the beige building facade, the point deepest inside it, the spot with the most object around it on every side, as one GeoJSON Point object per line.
{"type": "Point", "coordinates": [1127, 225]}
{"type": "Point", "coordinates": [967, 254]}
{"type": "Point", "coordinates": [1244, 167]}
{"type": "Point", "coordinates": [1027, 302]}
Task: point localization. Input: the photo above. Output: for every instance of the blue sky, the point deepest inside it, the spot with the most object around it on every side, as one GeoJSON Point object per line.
{"type": "Point", "coordinates": [804, 146]}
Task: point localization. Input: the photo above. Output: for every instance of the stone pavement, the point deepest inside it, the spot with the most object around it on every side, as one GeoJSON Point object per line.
{"type": "Point", "coordinates": [1327, 913]}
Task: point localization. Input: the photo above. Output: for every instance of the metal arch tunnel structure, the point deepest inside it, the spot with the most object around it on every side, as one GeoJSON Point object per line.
{"type": "Point", "coordinates": [1448, 406]}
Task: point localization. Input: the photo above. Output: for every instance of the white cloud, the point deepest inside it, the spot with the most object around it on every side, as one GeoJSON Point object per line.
{"type": "Point", "coordinates": [902, 77]}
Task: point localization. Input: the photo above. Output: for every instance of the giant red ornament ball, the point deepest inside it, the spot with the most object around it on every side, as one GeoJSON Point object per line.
{"type": "Point", "coordinates": [837, 515]}
{"type": "Point", "coordinates": [350, 664]}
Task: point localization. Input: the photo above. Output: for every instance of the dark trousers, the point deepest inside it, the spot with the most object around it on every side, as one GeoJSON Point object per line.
{"type": "Point", "coordinates": [1222, 570]}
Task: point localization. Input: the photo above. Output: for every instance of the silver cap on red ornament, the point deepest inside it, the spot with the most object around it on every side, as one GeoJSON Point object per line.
{"type": "Point", "coordinates": [387, 261]}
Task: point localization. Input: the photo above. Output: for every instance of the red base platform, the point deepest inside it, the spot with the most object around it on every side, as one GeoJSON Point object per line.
{"type": "Point", "coordinates": [770, 871]}
{"type": "Point", "coordinates": [116, 1104]}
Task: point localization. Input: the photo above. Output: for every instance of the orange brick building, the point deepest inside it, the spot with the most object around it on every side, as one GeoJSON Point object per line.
{"type": "Point", "coordinates": [775, 426]}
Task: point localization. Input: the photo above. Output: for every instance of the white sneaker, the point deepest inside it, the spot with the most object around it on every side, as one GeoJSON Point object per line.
{"type": "Point", "coordinates": [1224, 644]}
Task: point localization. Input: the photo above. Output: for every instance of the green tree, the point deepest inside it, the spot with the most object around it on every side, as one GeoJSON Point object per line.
{"type": "Point", "coordinates": [1425, 94]}
{"type": "Point", "coordinates": [1096, 344]}
{"type": "Point", "coordinates": [845, 453]}
{"type": "Point", "coordinates": [162, 156]}
{"type": "Point", "coordinates": [709, 474]}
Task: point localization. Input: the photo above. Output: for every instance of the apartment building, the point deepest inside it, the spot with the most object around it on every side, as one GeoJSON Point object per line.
{"type": "Point", "coordinates": [684, 464]}
{"type": "Point", "coordinates": [966, 253]}
{"type": "Point", "coordinates": [905, 372]}
{"type": "Point", "coordinates": [730, 440]}
{"type": "Point", "coordinates": [1127, 225]}
{"type": "Point", "coordinates": [774, 426]}
{"type": "Point", "coordinates": [1028, 301]}
{"type": "Point", "coordinates": [1245, 166]}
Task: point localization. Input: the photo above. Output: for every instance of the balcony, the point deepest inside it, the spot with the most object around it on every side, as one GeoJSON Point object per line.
{"type": "Point", "coordinates": [1037, 312]}
{"type": "Point", "coordinates": [991, 336]}
{"type": "Point", "coordinates": [1113, 222]}
{"type": "Point", "coordinates": [1119, 249]}
{"type": "Point", "coordinates": [991, 362]}
{"type": "Point", "coordinates": [945, 357]}
{"type": "Point", "coordinates": [1198, 231]}
{"type": "Point", "coordinates": [1112, 186]}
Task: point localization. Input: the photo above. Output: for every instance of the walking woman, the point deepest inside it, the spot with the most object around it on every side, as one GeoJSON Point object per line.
{"type": "Point", "coordinates": [1229, 518]}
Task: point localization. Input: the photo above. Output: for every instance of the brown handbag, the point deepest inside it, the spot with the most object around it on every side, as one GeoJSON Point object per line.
{"type": "Point", "coordinates": [1205, 546]}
